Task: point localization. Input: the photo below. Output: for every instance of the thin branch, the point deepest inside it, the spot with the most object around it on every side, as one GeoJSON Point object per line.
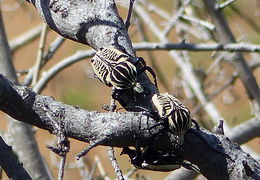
{"type": "Point", "coordinates": [60, 66]}
{"type": "Point", "coordinates": [224, 4]}
{"type": "Point", "coordinates": [25, 38]}
{"type": "Point", "coordinates": [156, 9]}
{"type": "Point", "coordinates": [101, 168]}
{"type": "Point", "coordinates": [176, 17]}
{"type": "Point", "coordinates": [244, 132]}
{"type": "Point", "coordinates": [197, 47]}
{"type": "Point", "coordinates": [10, 164]}
{"type": "Point", "coordinates": [130, 10]}
{"type": "Point", "coordinates": [112, 158]}
{"type": "Point", "coordinates": [61, 168]}
{"type": "Point", "coordinates": [54, 46]}
{"type": "Point", "coordinates": [200, 22]}
{"type": "Point", "coordinates": [36, 68]}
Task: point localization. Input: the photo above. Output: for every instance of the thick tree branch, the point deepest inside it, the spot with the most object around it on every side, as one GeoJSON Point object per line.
{"type": "Point", "coordinates": [124, 129]}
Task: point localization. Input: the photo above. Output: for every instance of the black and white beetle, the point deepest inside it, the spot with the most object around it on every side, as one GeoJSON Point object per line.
{"type": "Point", "coordinates": [154, 160]}
{"type": "Point", "coordinates": [171, 110]}
{"type": "Point", "coordinates": [118, 69]}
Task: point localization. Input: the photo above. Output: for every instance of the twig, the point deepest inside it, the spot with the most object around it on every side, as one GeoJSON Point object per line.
{"type": "Point", "coordinates": [101, 168]}
{"type": "Point", "coordinates": [112, 158]}
{"type": "Point", "coordinates": [130, 172]}
{"type": "Point", "coordinates": [130, 10]}
{"type": "Point", "coordinates": [155, 9]}
{"type": "Point", "coordinates": [224, 4]}
{"type": "Point", "coordinates": [60, 66]}
{"type": "Point", "coordinates": [176, 17]}
{"type": "Point", "coordinates": [61, 168]}
{"type": "Point", "coordinates": [54, 46]}
{"type": "Point", "coordinates": [63, 145]}
{"type": "Point", "coordinates": [200, 22]}
{"type": "Point", "coordinates": [197, 47]}
{"type": "Point", "coordinates": [219, 128]}
{"type": "Point", "coordinates": [37, 65]}
{"type": "Point", "coordinates": [92, 171]}
{"type": "Point", "coordinates": [226, 36]}
{"type": "Point", "coordinates": [110, 150]}
{"type": "Point", "coordinates": [25, 38]}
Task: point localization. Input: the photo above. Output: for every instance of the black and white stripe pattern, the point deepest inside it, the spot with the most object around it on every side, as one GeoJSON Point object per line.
{"type": "Point", "coordinates": [124, 76]}
{"type": "Point", "coordinates": [113, 56]}
{"type": "Point", "coordinates": [115, 68]}
{"type": "Point", "coordinates": [101, 69]}
{"type": "Point", "coordinates": [176, 114]}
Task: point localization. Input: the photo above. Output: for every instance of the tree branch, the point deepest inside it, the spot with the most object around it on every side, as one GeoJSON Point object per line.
{"type": "Point", "coordinates": [9, 162]}
{"type": "Point", "coordinates": [197, 47]}
{"type": "Point", "coordinates": [124, 129]}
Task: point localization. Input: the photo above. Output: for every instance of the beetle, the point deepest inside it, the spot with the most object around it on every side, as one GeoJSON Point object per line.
{"type": "Point", "coordinates": [118, 69]}
{"type": "Point", "coordinates": [172, 111]}
{"type": "Point", "coordinates": [155, 160]}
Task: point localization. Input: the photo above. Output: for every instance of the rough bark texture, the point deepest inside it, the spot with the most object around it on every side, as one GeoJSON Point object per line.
{"type": "Point", "coordinates": [215, 155]}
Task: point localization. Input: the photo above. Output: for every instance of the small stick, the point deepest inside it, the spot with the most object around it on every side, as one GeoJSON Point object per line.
{"type": "Point", "coordinates": [37, 65]}
{"type": "Point", "coordinates": [110, 150]}
{"type": "Point", "coordinates": [130, 10]}
{"type": "Point", "coordinates": [61, 168]}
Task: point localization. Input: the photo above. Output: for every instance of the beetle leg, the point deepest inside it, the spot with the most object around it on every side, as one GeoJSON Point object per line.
{"type": "Point", "coordinates": [151, 71]}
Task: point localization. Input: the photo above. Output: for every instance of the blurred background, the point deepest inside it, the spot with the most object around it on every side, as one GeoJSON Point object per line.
{"type": "Point", "coordinates": [76, 85]}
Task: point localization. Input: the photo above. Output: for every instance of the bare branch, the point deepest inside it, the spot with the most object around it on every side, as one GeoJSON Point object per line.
{"type": "Point", "coordinates": [25, 38]}
{"type": "Point", "coordinates": [10, 164]}
{"type": "Point", "coordinates": [60, 66]}
{"type": "Point", "coordinates": [245, 131]}
{"type": "Point", "coordinates": [197, 47]}
{"type": "Point", "coordinates": [37, 66]}
{"type": "Point", "coordinates": [47, 56]}
{"type": "Point", "coordinates": [224, 4]}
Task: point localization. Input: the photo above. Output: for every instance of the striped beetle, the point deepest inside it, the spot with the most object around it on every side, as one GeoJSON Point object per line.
{"type": "Point", "coordinates": [155, 160]}
{"type": "Point", "coordinates": [174, 112]}
{"type": "Point", "coordinates": [118, 69]}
